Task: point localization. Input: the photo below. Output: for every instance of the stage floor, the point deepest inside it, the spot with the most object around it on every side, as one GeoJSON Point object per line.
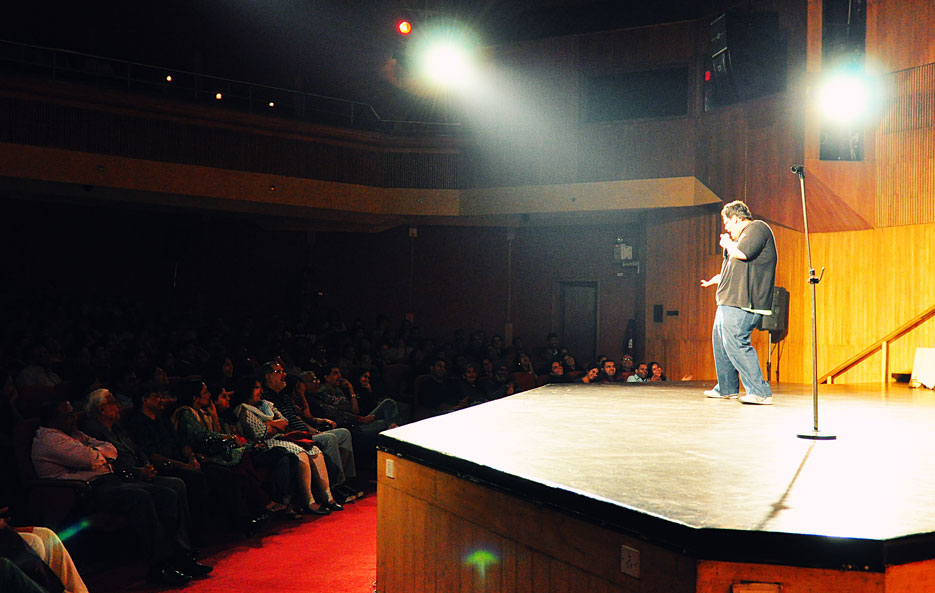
{"type": "Point", "coordinates": [665, 463]}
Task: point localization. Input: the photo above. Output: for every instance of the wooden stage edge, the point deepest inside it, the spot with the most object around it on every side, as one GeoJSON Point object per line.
{"type": "Point", "coordinates": [631, 488]}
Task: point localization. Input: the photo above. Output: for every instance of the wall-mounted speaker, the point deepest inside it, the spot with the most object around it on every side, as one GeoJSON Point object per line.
{"type": "Point", "coordinates": [749, 58]}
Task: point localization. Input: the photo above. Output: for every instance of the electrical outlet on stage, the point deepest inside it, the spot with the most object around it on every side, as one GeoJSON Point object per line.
{"type": "Point", "coordinates": [630, 561]}
{"type": "Point", "coordinates": [390, 468]}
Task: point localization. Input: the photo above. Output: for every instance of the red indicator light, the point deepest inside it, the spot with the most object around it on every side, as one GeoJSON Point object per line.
{"type": "Point", "coordinates": [707, 76]}
{"type": "Point", "coordinates": [404, 27]}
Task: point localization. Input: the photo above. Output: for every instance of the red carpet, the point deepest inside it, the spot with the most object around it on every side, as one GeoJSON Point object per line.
{"type": "Point", "coordinates": [333, 554]}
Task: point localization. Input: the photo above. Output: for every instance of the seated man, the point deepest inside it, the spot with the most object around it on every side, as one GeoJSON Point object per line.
{"type": "Point", "coordinates": [641, 375]}
{"type": "Point", "coordinates": [439, 393]}
{"type": "Point", "coordinates": [335, 443]}
{"type": "Point", "coordinates": [499, 385]}
{"type": "Point", "coordinates": [338, 401]}
{"type": "Point", "coordinates": [608, 372]}
{"type": "Point", "coordinates": [61, 451]}
{"type": "Point", "coordinates": [103, 423]}
{"type": "Point", "coordinates": [626, 367]}
{"type": "Point", "coordinates": [151, 430]}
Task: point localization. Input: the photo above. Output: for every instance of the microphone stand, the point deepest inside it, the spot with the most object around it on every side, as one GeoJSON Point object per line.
{"type": "Point", "coordinates": [813, 280]}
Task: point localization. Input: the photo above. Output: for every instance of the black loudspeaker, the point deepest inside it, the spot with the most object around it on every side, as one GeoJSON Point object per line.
{"type": "Point", "coordinates": [749, 58]}
{"type": "Point", "coordinates": [722, 72]}
{"type": "Point", "coordinates": [777, 324]}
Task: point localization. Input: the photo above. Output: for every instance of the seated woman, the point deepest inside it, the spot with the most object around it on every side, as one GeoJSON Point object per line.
{"type": "Point", "coordinates": [569, 365]}
{"type": "Point", "coordinates": [260, 421]}
{"type": "Point", "coordinates": [368, 400]}
{"type": "Point", "coordinates": [656, 374]}
{"type": "Point", "coordinates": [277, 461]}
{"type": "Point", "coordinates": [590, 375]}
{"type": "Point", "coordinates": [556, 374]}
{"type": "Point", "coordinates": [221, 457]}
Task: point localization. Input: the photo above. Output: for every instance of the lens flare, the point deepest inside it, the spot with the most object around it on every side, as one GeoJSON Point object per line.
{"type": "Point", "coordinates": [73, 530]}
{"type": "Point", "coordinates": [480, 560]}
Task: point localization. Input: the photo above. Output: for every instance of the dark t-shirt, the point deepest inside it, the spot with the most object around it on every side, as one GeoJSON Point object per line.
{"type": "Point", "coordinates": [748, 284]}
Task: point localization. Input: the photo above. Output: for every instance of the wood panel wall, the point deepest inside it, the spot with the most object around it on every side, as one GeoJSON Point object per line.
{"type": "Point", "coordinates": [875, 281]}
{"type": "Point", "coordinates": [434, 531]}
{"type": "Point", "coordinates": [900, 34]}
{"type": "Point", "coordinates": [437, 533]}
{"type": "Point", "coordinates": [905, 177]}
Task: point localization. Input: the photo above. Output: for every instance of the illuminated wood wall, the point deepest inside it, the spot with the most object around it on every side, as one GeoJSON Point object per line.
{"type": "Point", "coordinates": [874, 282]}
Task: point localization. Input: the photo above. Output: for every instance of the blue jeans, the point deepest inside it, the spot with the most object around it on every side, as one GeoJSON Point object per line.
{"type": "Point", "coordinates": [734, 355]}
{"type": "Point", "coordinates": [339, 454]}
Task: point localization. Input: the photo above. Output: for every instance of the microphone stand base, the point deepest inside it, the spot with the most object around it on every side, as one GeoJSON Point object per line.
{"type": "Point", "coordinates": [817, 435]}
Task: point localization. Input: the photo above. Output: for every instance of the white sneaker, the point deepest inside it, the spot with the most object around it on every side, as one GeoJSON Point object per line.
{"type": "Point", "coordinates": [717, 395]}
{"type": "Point", "coordinates": [759, 400]}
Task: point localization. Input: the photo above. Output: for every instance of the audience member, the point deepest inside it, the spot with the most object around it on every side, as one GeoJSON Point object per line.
{"type": "Point", "coordinates": [656, 374]}
{"type": "Point", "coordinates": [159, 517]}
{"type": "Point", "coordinates": [222, 458]}
{"type": "Point", "coordinates": [556, 374]}
{"type": "Point", "coordinates": [151, 430]}
{"type": "Point", "coordinates": [260, 422]}
{"type": "Point", "coordinates": [591, 373]}
{"type": "Point", "coordinates": [335, 443]}
{"type": "Point", "coordinates": [42, 557]}
{"type": "Point", "coordinates": [641, 374]}
{"type": "Point", "coordinates": [626, 367]}
{"type": "Point", "coordinates": [608, 372]}
{"type": "Point", "coordinates": [499, 385]}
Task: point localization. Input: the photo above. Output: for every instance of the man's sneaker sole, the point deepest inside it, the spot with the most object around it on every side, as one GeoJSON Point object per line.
{"type": "Point", "coordinates": [756, 400]}
{"type": "Point", "coordinates": [715, 395]}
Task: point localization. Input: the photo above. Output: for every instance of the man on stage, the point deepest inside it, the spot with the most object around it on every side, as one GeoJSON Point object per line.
{"type": "Point", "coordinates": [744, 294]}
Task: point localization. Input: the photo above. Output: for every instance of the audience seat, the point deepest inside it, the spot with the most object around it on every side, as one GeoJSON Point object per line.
{"type": "Point", "coordinates": [396, 379]}
{"type": "Point", "coordinates": [523, 381]}
{"type": "Point", "coordinates": [32, 397]}
{"type": "Point", "coordinates": [420, 411]}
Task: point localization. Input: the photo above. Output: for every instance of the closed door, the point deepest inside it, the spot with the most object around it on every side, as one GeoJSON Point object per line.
{"type": "Point", "coordinates": [578, 314]}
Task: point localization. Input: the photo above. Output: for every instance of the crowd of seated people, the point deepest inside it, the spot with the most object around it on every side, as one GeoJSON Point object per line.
{"type": "Point", "coordinates": [178, 425]}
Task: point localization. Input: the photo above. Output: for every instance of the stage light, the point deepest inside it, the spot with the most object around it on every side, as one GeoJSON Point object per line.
{"type": "Point", "coordinates": [445, 59]}
{"type": "Point", "coordinates": [846, 98]}
{"type": "Point", "coordinates": [219, 96]}
{"type": "Point", "coordinates": [168, 78]}
{"type": "Point", "coordinates": [404, 27]}
{"type": "Point", "coordinates": [272, 104]}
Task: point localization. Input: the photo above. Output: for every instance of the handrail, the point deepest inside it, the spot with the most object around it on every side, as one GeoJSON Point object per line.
{"type": "Point", "coordinates": [181, 84]}
{"type": "Point", "coordinates": [882, 344]}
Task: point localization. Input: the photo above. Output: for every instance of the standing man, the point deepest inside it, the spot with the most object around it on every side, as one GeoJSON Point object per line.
{"type": "Point", "coordinates": [744, 295]}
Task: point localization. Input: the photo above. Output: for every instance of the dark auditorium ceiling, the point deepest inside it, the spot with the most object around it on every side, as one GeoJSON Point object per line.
{"type": "Point", "coordinates": [328, 47]}
{"type": "Point", "coordinates": [331, 47]}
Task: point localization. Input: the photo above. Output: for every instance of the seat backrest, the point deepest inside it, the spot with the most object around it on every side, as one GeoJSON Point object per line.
{"type": "Point", "coordinates": [523, 381]}
{"type": "Point", "coordinates": [396, 378]}
{"type": "Point", "coordinates": [23, 433]}
{"type": "Point", "coordinates": [32, 397]}
{"type": "Point", "coordinates": [419, 386]}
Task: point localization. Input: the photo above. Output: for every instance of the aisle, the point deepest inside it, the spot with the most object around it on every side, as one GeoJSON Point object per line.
{"type": "Point", "coordinates": [333, 554]}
